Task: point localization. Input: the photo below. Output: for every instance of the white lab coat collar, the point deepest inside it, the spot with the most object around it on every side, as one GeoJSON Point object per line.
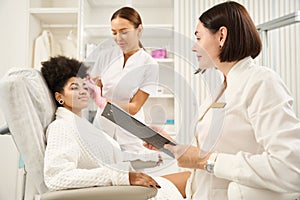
{"type": "Point", "coordinates": [132, 59]}
{"type": "Point", "coordinates": [237, 69]}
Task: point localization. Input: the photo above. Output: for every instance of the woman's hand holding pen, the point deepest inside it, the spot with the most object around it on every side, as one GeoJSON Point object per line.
{"type": "Point", "coordinates": [161, 132]}
{"type": "Point", "coordinates": [95, 92]}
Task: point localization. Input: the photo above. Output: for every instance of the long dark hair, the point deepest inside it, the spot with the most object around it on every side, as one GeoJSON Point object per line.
{"type": "Point", "coordinates": [131, 15]}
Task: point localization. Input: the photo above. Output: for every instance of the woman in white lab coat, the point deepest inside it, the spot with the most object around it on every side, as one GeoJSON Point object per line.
{"type": "Point", "coordinates": [77, 154]}
{"type": "Point", "coordinates": [127, 75]}
{"type": "Point", "coordinates": [247, 134]}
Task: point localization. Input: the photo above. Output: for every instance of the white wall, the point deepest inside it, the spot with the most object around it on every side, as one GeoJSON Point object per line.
{"type": "Point", "coordinates": [13, 36]}
{"type": "Point", "coordinates": [8, 169]}
{"type": "Point", "coordinates": [13, 40]}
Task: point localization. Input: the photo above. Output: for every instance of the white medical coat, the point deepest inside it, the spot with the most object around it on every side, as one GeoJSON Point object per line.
{"type": "Point", "coordinates": [120, 85]}
{"type": "Point", "coordinates": [43, 49]}
{"type": "Point", "coordinates": [259, 136]}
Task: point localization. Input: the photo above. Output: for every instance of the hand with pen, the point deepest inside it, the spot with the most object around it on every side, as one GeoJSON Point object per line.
{"type": "Point", "coordinates": [188, 156]}
{"type": "Point", "coordinates": [95, 92]}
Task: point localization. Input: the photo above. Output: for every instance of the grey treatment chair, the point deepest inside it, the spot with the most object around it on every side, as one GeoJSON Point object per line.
{"type": "Point", "coordinates": [28, 109]}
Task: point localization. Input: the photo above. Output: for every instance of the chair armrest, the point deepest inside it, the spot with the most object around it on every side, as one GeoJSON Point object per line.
{"type": "Point", "coordinates": [102, 193]}
{"type": "Point", "coordinates": [4, 130]}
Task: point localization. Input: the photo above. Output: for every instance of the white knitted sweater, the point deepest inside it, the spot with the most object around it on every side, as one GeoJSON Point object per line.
{"type": "Point", "coordinates": [79, 155]}
{"type": "Point", "coordinates": [69, 163]}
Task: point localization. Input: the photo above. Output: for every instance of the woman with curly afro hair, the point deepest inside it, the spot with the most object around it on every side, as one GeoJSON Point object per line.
{"type": "Point", "coordinates": [69, 162]}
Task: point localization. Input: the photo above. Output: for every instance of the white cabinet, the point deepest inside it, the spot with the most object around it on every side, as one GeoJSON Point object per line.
{"type": "Point", "coordinates": [60, 18]}
{"type": "Point", "coordinates": [89, 23]}
{"type": "Point", "coordinates": [156, 15]}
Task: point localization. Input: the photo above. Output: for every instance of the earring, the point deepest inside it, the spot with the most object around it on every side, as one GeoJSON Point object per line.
{"type": "Point", "coordinates": [61, 101]}
{"type": "Point", "coordinates": [220, 46]}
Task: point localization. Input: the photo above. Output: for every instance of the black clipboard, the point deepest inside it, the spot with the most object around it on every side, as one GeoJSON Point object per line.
{"type": "Point", "coordinates": [137, 128]}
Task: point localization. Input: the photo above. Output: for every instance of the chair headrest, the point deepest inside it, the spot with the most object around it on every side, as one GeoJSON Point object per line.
{"type": "Point", "coordinates": [28, 108]}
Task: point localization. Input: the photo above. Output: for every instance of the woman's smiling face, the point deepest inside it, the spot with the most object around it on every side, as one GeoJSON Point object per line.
{"type": "Point", "coordinates": [206, 48]}
{"type": "Point", "coordinates": [75, 94]}
{"type": "Point", "coordinates": [125, 34]}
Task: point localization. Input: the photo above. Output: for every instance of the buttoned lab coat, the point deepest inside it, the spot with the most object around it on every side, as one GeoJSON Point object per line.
{"type": "Point", "coordinates": [120, 85]}
{"type": "Point", "coordinates": [256, 134]}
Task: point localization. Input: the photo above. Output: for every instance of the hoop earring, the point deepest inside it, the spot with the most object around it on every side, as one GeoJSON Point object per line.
{"type": "Point", "coordinates": [61, 101]}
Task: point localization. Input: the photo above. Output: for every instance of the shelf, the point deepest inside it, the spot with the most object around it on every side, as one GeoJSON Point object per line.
{"type": "Point", "coordinates": [54, 3]}
{"type": "Point", "coordinates": [59, 26]}
{"type": "Point", "coordinates": [165, 60]}
{"type": "Point", "coordinates": [56, 16]}
{"type": "Point", "coordinates": [53, 10]}
{"type": "Point", "coordinates": [135, 3]}
{"type": "Point", "coordinates": [101, 30]}
{"type": "Point", "coordinates": [280, 22]}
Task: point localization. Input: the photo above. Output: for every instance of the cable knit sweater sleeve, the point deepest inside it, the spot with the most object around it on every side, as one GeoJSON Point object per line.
{"type": "Point", "coordinates": [67, 165]}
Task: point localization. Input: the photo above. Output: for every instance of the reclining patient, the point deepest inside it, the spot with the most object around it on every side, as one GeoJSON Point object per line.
{"type": "Point", "coordinates": [79, 155]}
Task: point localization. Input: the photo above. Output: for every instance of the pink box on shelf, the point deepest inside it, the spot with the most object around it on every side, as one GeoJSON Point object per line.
{"type": "Point", "coordinates": [159, 53]}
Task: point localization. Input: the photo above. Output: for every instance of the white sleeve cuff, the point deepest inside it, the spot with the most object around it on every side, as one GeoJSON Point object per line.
{"type": "Point", "coordinates": [120, 178]}
{"type": "Point", "coordinates": [226, 167]}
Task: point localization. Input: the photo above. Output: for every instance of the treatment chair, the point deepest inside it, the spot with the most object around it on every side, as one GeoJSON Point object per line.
{"type": "Point", "coordinates": [28, 109]}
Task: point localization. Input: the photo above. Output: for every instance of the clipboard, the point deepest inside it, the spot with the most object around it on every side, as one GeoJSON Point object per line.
{"type": "Point", "coordinates": [135, 127]}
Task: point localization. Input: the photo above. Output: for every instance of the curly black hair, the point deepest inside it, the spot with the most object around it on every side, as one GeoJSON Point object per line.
{"type": "Point", "coordinates": [58, 70]}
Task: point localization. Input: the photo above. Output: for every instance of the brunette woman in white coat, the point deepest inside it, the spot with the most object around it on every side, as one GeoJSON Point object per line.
{"type": "Point", "coordinates": [256, 132]}
{"type": "Point", "coordinates": [127, 76]}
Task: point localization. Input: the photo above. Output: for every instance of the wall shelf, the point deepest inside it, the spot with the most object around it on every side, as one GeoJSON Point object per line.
{"type": "Point", "coordinates": [135, 3]}
{"type": "Point", "coordinates": [275, 24]}
{"type": "Point", "coordinates": [102, 30]}
{"type": "Point", "coordinates": [280, 22]}
{"type": "Point", "coordinates": [165, 60]}
{"type": "Point", "coordinates": [55, 15]}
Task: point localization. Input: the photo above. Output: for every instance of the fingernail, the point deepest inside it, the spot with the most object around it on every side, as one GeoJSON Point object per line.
{"type": "Point", "coordinates": [158, 186]}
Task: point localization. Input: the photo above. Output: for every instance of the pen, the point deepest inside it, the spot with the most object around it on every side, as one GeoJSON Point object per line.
{"type": "Point", "coordinates": [199, 70]}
